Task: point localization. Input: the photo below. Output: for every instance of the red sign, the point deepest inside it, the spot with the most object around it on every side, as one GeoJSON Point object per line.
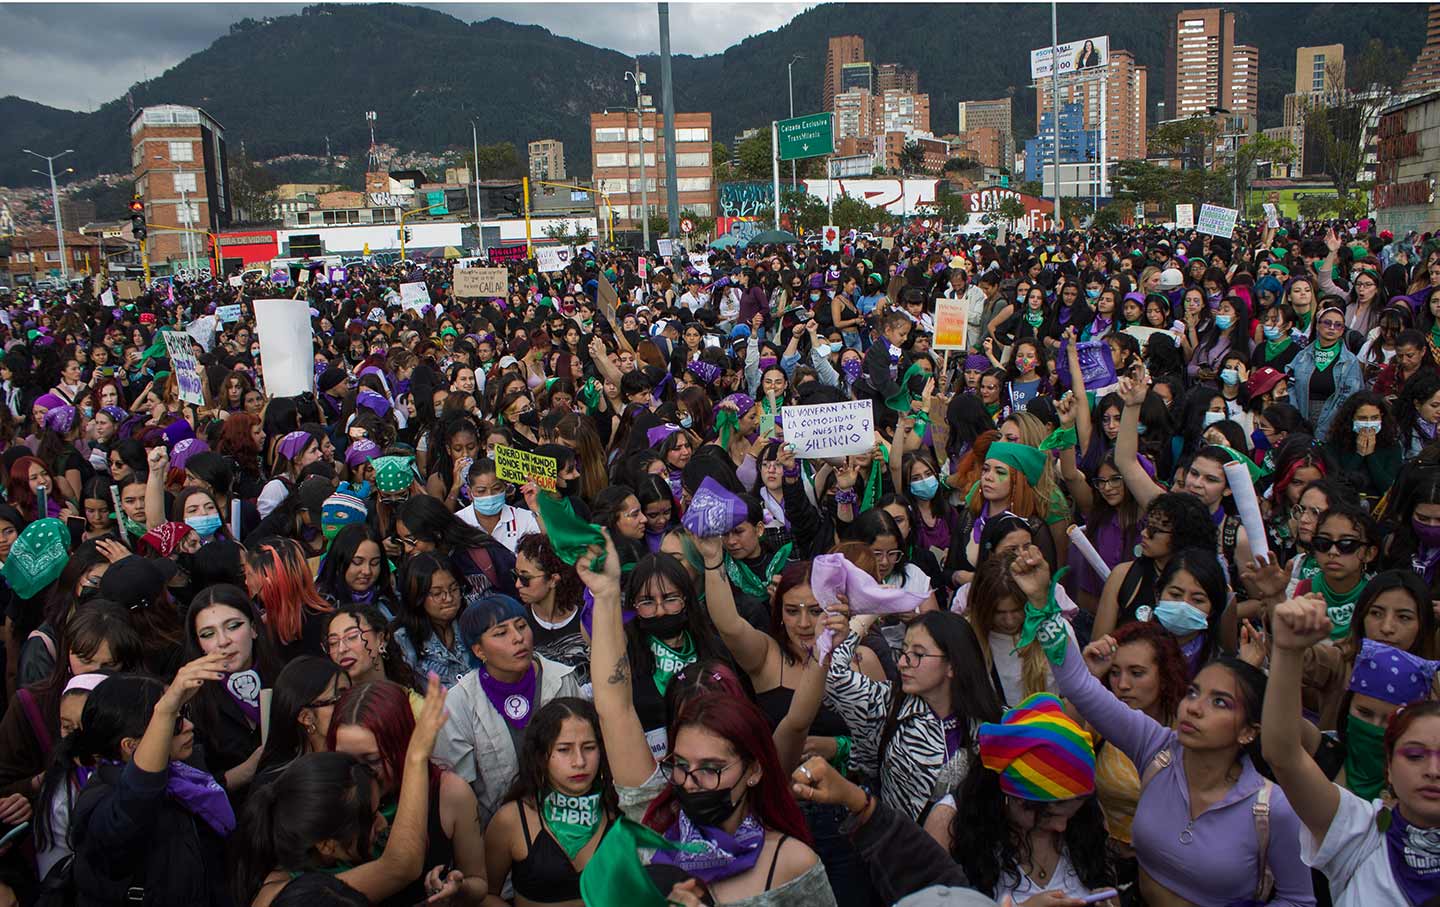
{"type": "Point", "coordinates": [252, 247]}
{"type": "Point", "coordinates": [687, 226]}
{"type": "Point", "coordinates": [831, 234]}
{"type": "Point", "coordinates": [506, 253]}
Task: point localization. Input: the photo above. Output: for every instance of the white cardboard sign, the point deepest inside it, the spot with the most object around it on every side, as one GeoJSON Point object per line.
{"type": "Point", "coordinates": [413, 295]}
{"type": "Point", "coordinates": [287, 351]}
{"type": "Point", "coordinates": [1217, 221]}
{"type": "Point", "coordinates": [184, 366]}
{"type": "Point", "coordinates": [830, 429]}
{"type": "Point", "coordinates": [553, 258]}
{"type": "Point", "coordinates": [1184, 216]}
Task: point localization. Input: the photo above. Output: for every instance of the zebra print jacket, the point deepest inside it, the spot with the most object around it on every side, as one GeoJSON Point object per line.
{"type": "Point", "coordinates": [913, 770]}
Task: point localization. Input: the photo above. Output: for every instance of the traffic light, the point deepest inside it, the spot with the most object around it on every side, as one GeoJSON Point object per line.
{"type": "Point", "coordinates": [408, 237]}
{"type": "Point", "coordinates": [513, 204]}
{"type": "Point", "coordinates": [137, 217]}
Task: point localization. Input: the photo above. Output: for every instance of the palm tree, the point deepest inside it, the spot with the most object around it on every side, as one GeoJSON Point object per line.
{"type": "Point", "coordinates": [912, 158]}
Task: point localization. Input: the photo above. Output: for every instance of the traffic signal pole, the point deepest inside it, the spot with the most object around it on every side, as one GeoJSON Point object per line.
{"type": "Point", "coordinates": [525, 191]}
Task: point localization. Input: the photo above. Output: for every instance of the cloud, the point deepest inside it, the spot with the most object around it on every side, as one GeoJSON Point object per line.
{"type": "Point", "coordinates": [78, 56]}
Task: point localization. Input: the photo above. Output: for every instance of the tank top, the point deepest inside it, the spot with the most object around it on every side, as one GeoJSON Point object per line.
{"type": "Point", "coordinates": [546, 875]}
{"type": "Point", "coordinates": [1137, 591]}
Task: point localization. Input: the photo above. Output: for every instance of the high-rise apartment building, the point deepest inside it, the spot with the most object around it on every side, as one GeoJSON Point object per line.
{"type": "Point", "coordinates": [547, 160]}
{"type": "Point", "coordinates": [843, 49]}
{"type": "Point", "coordinates": [902, 111]}
{"type": "Point", "coordinates": [854, 114]}
{"type": "Point", "coordinates": [994, 115]}
{"type": "Point", "coordinates": [1319, 70]}
{"type": "Point", "coordinates": [890, 76]}
{"type": "Point", "coordinates": [1120, 105]}
{"type": "Point", "coordinates": [1207, 68]}
{"type": "Point", "coordinates": [1242, 94]}
{"type": "Point", "coordinates": [1077, 144]}
{"type": "Point", "coordinates": [1424, 76]}
{"type": "Point", "coordinates": [180, 166]}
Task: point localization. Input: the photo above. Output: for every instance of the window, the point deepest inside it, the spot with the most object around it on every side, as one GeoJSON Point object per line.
{"type": "Point", "coordinates": [137, 153]}
{"type": "Point", "coordinates": [700, 210]}
{"type": "Point", "coordinates": [693, 184]}
{"type": "Point", "coordinates": [634, 159]}
{"type": "Point", "coordinates": [184, 182]}
{"type": "Point", "coordinates": [52, 256]}
{"type": "Point", "coordinates": [187, 213]}
{"type": "Point", "coordinates": [633, 135]}
{"type": "Point", "coordinates": [22, 257]}
{"type": "Point", "coordinates": [610, 159]}
{"type": "Point", "coordinates": [692, 134]}
{"type": "Point", "coordinates": [693, 159]}
{"type": "Point", "coordinates": [610, 134]}
{"type": "Point", "coordinates": [182, 151]}
{"type": "Point", "coordinates": [613, 185]}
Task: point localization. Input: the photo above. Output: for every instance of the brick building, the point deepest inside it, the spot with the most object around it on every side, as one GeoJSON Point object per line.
{"type": "Point", "coordinates": [615, 149]}
{"type": "Point", "coordinates": [180, 166]}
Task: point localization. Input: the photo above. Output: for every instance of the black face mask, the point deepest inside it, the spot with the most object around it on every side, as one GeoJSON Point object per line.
{"type": "Point", "coordinates": [530, 418]}
{"type": "Point", "coordinates": [663, 626]}
{"type": "Point", "coordinates": [709, 808]}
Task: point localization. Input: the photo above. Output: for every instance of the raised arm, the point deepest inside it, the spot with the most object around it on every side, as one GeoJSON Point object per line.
{"type": "Point", "coordinates": [1084, 429]}
{"type": "Point", "coordinates": [159, 462]}
{"type": "Point", "coordinates": [1127, 448]}
{"type": "Point", "coordinates": [749, 646]}
{"type": "Point", "coordinates": [794, 729]}
{"type": "Point", "coordinates": [1069, 407]}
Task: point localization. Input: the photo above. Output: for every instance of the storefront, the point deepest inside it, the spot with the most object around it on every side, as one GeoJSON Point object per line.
{"type": "Point", "coordinates": [247, 249]}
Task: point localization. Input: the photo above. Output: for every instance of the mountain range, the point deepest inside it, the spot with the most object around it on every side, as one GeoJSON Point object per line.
{"type": "Point", "coordinates": [286, 84]}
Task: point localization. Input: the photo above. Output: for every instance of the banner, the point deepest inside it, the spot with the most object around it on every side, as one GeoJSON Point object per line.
{"type": "Point", "coordinates": [506, 254]}
{"type": "Point", "coordinates": [414, 295]}
{"type": "Point", "coordinates": [228, 313]}
{"type": "Point", "coordinates": [129, 289]}
{"type": "Point", "coordinates": [830, 429]}
{"type": "Point", "coordinates": [481, 283]}
{"type": "Point", "coordinates": [287, 351]}
{"type": "Point", "coordinates": [184, 367]}
{"type": "Point", "coordinates": [549, 259]}
{"type": "Point", "coordinates": [1072, 56]}
{"type": "Point", "coordinates": [950, 325]}
{"type": "Point", "coordinates": [666, 247]}
{"type": "Point", "coordinates": [1217, 221]}
{"type": "Point", "coordinates": [1097, 365]}
{"type": "Point", "coordinates": [236, 281]}
{"type": "Point", "coordinates": [519, 467]}
{"type": "Point", "coordinates": [1184, 216]}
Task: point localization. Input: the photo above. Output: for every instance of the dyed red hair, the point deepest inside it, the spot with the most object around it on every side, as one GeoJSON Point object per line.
{"type": "Point", "coordinates": [17, 486]}
{"type": "Point", "coordinates": [381, 707]}
{"type": "Point", "coordinates": [287, 588]}
{"type": "Point", "coordinates": [1170, 665]}
{"type": "Point", "coordinates": [236, 437]}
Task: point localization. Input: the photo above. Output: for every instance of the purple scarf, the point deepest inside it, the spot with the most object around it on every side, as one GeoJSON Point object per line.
{"type": "Point", "coordinates": [244, 688]}
{"type": "Point", "coordinates": [1414, 858]}
{"type": "Point", "coordinates": [951, 726]}
{"type": "Point", "coordinates": [980, 519]}
{"type": "Point", "coordinates": [201, 796]}
{"type": "Point", "coordinates": [723, 856]}
{"type": "Point", "coordinates": [515, 701]}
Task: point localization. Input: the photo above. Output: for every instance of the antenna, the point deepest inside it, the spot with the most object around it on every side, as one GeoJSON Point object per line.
{"type": "Point", "coordinates": [372, 160]}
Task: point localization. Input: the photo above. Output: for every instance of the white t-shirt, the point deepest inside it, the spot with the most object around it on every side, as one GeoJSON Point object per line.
{"type": "Point", "coordinates": [1353, 856]}
{"type": "Point", "coordinates": [515, 523]}
{"type": "Point", "coordinates": [1065, 879]}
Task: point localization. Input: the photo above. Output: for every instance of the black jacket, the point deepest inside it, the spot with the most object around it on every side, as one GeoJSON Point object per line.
{"type": "Point", "coordinates": [900, 857]}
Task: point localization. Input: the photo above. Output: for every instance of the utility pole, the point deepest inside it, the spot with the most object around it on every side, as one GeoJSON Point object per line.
{"type": "Point", "coordinates": [667, 102]}
{"type": "Point", "coordinates": [639, 79]}
{"type": "Point", "coordinates": [49, 160]}
{"type": "Point", "coordinates": [1055, 107]}
{"type": "Point", "coordinates": [479, 221]}
{"type": "Point", "coordinates": [790, 77]}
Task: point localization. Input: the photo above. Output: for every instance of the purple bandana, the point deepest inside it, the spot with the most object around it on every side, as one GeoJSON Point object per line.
{"type": "Point", "coordinates": [361, 452]}
{"type": "Point", "coordinates": [202, 797]}
{"type": "Point", "coordinates": [723, 856]}
{"type": "Point", "coordinates": [707, 372]}
{"type": "Point", "coordinates": [116, 414]}
{"type": "Point", "coordinates": [373, 402]}
{"type": "Point", "coordinates": [768, 362]}
{"type": "Point", "coordinates": [61, 419]}
{"type": "Point", "coordinates": [852, 368]}
{"type": "Point", "coordinates": [293, 444]}
{"type": "Point", "coordinates": [660, 433]}
{"type": "Point", "coordinates": [1414, 858]}
{"type": "Point", "coordinates": [977, 362]}
{"type": "Point", "coordinates": [743, 403]}
{"type": "Point", "coordinates": [714, 510]}
{"type": "Point", "coordinates": [184, 450]}
{"type": "Point", "coordinates": [515, 701]}
{"type": "Point", "coordinates": [1391, 674]}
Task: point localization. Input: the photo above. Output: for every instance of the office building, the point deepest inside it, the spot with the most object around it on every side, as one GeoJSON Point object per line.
{"type": "Point", "coordinates": [1320, 70]}
{"type": "Point", "coordinates": [985, 145]}
{"type": "Point", "coordinates": [1424, 76]}
{"type": "Point", "coordinates": [180, 166]}
{"type": "Point", "coordinates": [893, 76]}
{"type": "Point", "coordinates": [854, 114]}
{"type": "Point", "coordinates": [994, 114]}
{"type": "Point", "coordinates": [902, 111]}
{"type": "Point", "coordinates": [857, 75]}
{"type": "Point", "coordinates": [615, 148]}
{"type": "Point", "coordinates": [547, 160]}
{"type": "Point", "coordinates": [1120, 106]}
{"type": "Point", "coordinates": [1243, 86]}
{"type": "Point", "coordinates": [1077, 145]}
{"type": "Point", "coordinates": [843, 49]}
{"type": "Point", "coordinates": [1207, 67]}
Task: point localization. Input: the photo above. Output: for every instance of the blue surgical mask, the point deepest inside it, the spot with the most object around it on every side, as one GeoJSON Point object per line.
{"type": "Point", "coordinates": [925, 489]}
{"type": "Point", "coordinates": [1212, 418]}
{"type": "Point", "coordinates": [1223, 322]}
{"type": "Point", "coordinates": [814, 297]}
{"type": "Point", "coordinates": [1092, 294]}
{"type": "Point", "coordinates": [490, 504]}
{"type": "Point", "coordinates": [686, 421]}
{"type": "Point", "coordinates": [1181, 618]}
{"type": "Point", "coordinates": [1272, 333]}
{"type": "Point", "coordinates": [1257, 437]}
{"type": "Point", "coordinates": [1230, 376]}
{"type": "Point", "coordinates": [1360, 426]}
{"type": "Point", "coordinates": [205, 525]}
{"type": "Point", "coordinates": [1140, 429]}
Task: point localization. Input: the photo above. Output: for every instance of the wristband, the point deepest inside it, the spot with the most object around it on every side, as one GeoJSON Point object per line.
{"type": "Point", "coordinates": [846, 496]}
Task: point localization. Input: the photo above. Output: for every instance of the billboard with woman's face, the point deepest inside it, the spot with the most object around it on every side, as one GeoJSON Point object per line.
{"type": "Point", "coordinates": [1073, 56]}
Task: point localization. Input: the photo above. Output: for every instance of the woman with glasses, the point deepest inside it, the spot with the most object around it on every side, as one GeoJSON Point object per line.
{"type": "Point", "coordinates": [492, 705]}
{"type": "Point", "coordinates": [1345, 544]}
{"type": "Point", "coordinates": [301, 706]}
{"type": "Point", "coordinates": [1326, 373]}
{"type": "Point", "coordinates": [358, 639]}
{"type": "Point", "coordinates": [426, 627]}
{"type": "Point", "coordinates": [373, 723]}
{"type": "Point", "coordinates": [552, 593]}
{"type": "Point", "coordinates": [1172, 522]}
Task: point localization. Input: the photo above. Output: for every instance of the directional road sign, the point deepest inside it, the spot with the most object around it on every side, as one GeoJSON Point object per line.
{"type": "Point", "coordinates": [807, 136]}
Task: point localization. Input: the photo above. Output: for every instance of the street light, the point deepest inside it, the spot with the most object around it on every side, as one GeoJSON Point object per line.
{"type": "Point", "coordinates": [790, 75]}
{"type": "Point", "coordinates": [638, 78]}
{"type": "Point", "coordinates": [49, 160]}
{"type": "Point", "coordinates": [479, 222]}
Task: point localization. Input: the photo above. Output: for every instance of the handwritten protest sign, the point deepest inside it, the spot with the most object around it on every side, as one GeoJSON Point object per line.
{"type": "Point", "coordinates": [107, 299]}
{"type": "Point", "coordinates": [1272, 215]}
{"type": "Point", "coordinates": [1144, 334]}
{"type": "Point", "coordinates": [519, 466]}
{"type": "Point", "coordinates": [478, 283]}
{"type": "Point", "coordinates": [606, 299]}
{"type": "Point", "coordinates": [228, 313]}
{"type": "Point", "coordinates": [1184, 216]}
{"type": "Point", "coordinates": [950, 324]}
{"type": "Point", "coordinates": [184, 367]}
{"type": "Point", "coordinates": [830, 429]}
{"type": "Point", "coordinates": [1217, 221]}
{"type": "Point", "coordinates": [129, 289]}
{"type": "Point", "coordinates": [1097, 365]}
{"type": "Point", "coordinates": [414, 295]}
{"type": "Point", "coordinates": [553, 258]}
{"type": "Point", "coordinates": [236, 281]}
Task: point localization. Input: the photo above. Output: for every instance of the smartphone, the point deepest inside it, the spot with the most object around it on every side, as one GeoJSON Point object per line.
{"type": "Point", "coordinates": [76, 525]}
{"type": "Point", "coordinates": [1096, 897]}
{"type": "Point", "coordinates": [14, 833]}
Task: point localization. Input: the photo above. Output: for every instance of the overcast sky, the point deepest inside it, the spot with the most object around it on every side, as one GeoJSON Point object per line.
{"type": "Point", "coordinates": [81, 55]}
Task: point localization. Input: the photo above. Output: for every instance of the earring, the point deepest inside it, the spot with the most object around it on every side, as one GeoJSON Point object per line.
{"type": "Point", "coordinates": [382, 651]}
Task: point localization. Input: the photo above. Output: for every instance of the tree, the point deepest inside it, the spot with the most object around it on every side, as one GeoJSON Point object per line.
{"type": "Point", "coordinates": [703, 225]}
{"type": "Point", "coordinates": [1191, 140]}
{"type": "Point", "coordinates": [1339, 122]}
{"type": "Point", "coordinates": [582, 235]}
{"type": "Point", "coordinates": [1032, 188]}
{"type": "Point", "coordinates": [557, 231]}
{"type": "Point", "coordinates": [854, 214]}
{"type": "Point", "coordinates": [912, 158]}
{"type": "Point", "coordinates": [1316, 207]}
{"type": "Point", "coordinates": [720, 164]}
{"type": "Point", "coordinates": [1076, 209]}
{"type": "Point", "coordinates": [252, 190]}
{"type": "Point", "coordinates": [959, 165]}
{"type": "Point", "coordinates": [1110, 216]}
{"type": "Point", "coordinates": [659, 225]}
{"type": "Point", "coordinates": [1256, 149]}
{"type": "Point", "coordinates": [497, 161]}
{"type": "Point", "coordinates": [1010, 210]}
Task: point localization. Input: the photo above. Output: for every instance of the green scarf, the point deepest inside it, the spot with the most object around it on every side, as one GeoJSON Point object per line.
{"type": "Point", "coordinates": [1326, 356]}
{"type": "Point", "coordinates": [1309, 568]}
{"type": "Point", "coordinates": [1274, 348]}
{"type": "Point", "coordinates": [1364, 757]}
{"type": "Point", "coordinates": [992, 408]}
{"type": "Point", "coordinates": [572, 820]}
{"type": "Point", "coordinates": [669, 662]}
{"type": "Point", "coordinates": [872, 482]}
{"type": "Point", "coordinates": [745, 578]}
{"type": "Point", "coordinates": [1047, 625]}
{"type": "Point", "coordinates": [726, 421]}
{"type": "Point", "coordinates": [132, 527]}
{"type": "Point", "coordinates": [1435, 333]}
{"type": "Point", "coordinates": [1304, 318]}
{"type": "Point", "coordinates": [1339, 608]}
{"type": "Point", "coordinates": [590, 394]}
{"type": "Point", "coordinates": [1034, 318]}
{"type": "Point", "coordinates": [569, 535]}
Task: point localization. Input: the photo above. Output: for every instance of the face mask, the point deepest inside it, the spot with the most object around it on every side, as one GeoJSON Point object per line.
{"type": "Point", "coordinates": [686, 421]}
{"type": "Point", "coordinates": [205, 525]}
{"type": "Point", "coordinates": [1024, 364]}
{"type": "Point", "coordinates": [1429, 536]}
{"type": "Point", "coordinates": [1258, 438]}
{"type": "Point", "coordinates": [1181, 617]}
{"type": "Point", "coordinates": [814, 297]}
{"type": "Point", "coordinates": [824, 350]}
{"type": "Point", "coordinates": [1092, 294]}
{"type": "Point", "coordinates": [926, 488]}
{"type": "Point", "coordinates": [1272, 333]}
{"type": "Point", "coordinates": [663, 626]}
{"type": "Point", "coordinates": [1212, 418]}
{"type": "Point", "coordinates": [709, 808]}
{"type": "Point", "coordinates": [1230, 376]}
{"type": "Point", "coordinates": [1224, 321]}
{"type": "Point", "coordinates": [851, 368]}
{"type": "Point", "coordinates": [89, 412]}
{"type": "Point", "coordinates": [1140, 429]}
{"type": "Point", "coordinates": [1049, 248]}
{"type": "Point", "coordinates": [490, 504]}
{"type": "Point", "coordinates": [530, 418]}
{"type": "Point", "coordinates": [1359, 426]}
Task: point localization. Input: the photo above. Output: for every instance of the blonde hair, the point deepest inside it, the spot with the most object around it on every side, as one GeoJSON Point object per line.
{"type": "Point", "coordinates": [993, 584]}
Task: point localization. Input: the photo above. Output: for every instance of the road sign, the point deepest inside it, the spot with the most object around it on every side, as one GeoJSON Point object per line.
{"type": "Point", "coordinates": [808, 136]}
{"type": "Point", "coordinates": [687, 226]}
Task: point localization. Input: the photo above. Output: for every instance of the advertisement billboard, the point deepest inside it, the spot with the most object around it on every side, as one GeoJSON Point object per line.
{"type": "Point", "coordinates": [1074, 56]}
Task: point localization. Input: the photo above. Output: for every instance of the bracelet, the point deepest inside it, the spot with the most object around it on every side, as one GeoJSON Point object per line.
{"type": "Point", "coordinates": [846, 496]}
{"type": "Point", "coordinates": [716, 566]}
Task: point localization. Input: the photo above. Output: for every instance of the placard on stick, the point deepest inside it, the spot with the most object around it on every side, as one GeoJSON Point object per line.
{"type": "Point", "coordinates": [287, 348]}
{"type": "Point", "coordinates": [1217, 221]}
{"type": "Point", "coordinates": [414, 295]}
{"type": "Point", "coordinates": [184, 366]}
{"type": "Point", "coordinates": [1184, 216]}
{"type": "Point", "coordinates": [519, 467]}
{"type": "Point", "coordinates": [481, 283]}
{"type": "Point", "coordinates": [950, 325]}
{"type": "Point", "coordinates": [129, 289]}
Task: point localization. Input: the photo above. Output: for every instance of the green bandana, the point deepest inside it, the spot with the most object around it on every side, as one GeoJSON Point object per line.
{"type": "Point", "coordinates": [590, 394]}
{"type": "Point", "coordinates": [743, 577]}
{"type": "Point", "coordinates": [872, 484]}
{"type": "Point", "coordinates": [1303, 319]}
{"type": "Point", "coordinates": [991, 409]}
{"type": "Point", "coordinates": [1339, 608]}
{"type": "Point", "coordinates": [572, 820]}
{"type": "Point", "coordinates": [569, 535]}
{"type": "Point", "coordinates": [393, 474]}
{"type": "Point", "coordinates": [901, 400]}
{"type": "Point", "coordinates": [669, 662]}
{"type": "Point", "coordinates": [1034, 318]}
{"type": "Point", "coordinates": [1435, 333]}
{"type": "Point", "coordinates": [1046, 625]}
{"type": "Point", "coordinates": [1309, 568]}
{"type": "Point", "coordinates": [132, 527]}
{"type": "Point", "coordinates": [37, 557]}
{"type": "Point", "coordinates": [726, 421]}
{"type": "Point", "coordinates": [616, 873]}
{"type": "Point", "coordinates": [1325, 357]}
{"type": "Point", "coordinates": [1273, 348]}
{"type": "Point", "coordinates": [1364, 757]}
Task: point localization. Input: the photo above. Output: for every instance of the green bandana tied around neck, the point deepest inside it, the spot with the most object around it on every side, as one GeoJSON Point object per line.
{"type": "Point", "coordinates": [1339, 608]}
{"type": "Point", "coordinates": [132, 527]}
{"type": "Point", "coordinates": [1274, 348]}
{"type": "Point", "coordinates": [991, 409]}
{"type": "Point", "coordinates": [669, 662]}
{"type": "Point", "coordinates": [572, 820]}
{"type": "Point", "coordinates": [1325, 357]}
{"type": "Point", "coordinates": [1034, 318]}
{"type": "Point", "coordinates": [616, 872]}
{"type": "Point", "coordinates": [569, 535]}
{"type": "Point", "coordinates": [726, 421]}
{"type": "Point", "coordinates": [900, 401]}
{"type": "Point", "coordinates": [1364, 757]}
{"type": "Point", "coordinates": [1046, 625]}
{"type": "Point", "coordinates": [1303, 319]}
{"type": "Point", "coordinates": [745, 579]}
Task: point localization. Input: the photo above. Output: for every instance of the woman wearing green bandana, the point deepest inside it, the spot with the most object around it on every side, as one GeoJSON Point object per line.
{"type": "Point", "coordinates": [556, 812]}
{"type": "Point", "coordinates": [1326, 373]}
{"type": "Point", "coordinates": [1279, 348]}
{"type": "Point", "coordinates": [1345, 544]}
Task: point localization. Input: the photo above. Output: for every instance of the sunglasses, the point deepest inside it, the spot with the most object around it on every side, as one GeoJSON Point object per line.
{"type": "Point", "coordinates": [1323, 544]}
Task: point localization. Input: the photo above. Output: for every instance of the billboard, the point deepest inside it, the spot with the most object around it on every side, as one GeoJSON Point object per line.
{"type": "Point", "coordinates": [1039, 212]}
{"type": "Point", "coordinates": [1074, 56]}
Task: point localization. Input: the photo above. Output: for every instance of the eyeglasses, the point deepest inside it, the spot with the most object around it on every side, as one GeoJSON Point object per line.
{"type": "Point", "coordinates": [444, 594]}
{"type": "Point", "coordinates": [1324, 543]}
{"type": "Point", "coordinates": [893, 554]}
{"type": "Point", "coordinates": [409, 541]}
{"type": "Point", "coordinates": [1331, 324]}
{"type": "Point", "coordinates": [526, 579]}
{"type": "Point", "coordinates": [913, 658]}
{"type": "Point", "coordinates": [1154, 529]}
{"type": "Point", "coordinates": [1107, 483]}
{"type": "Point", "coordinates": [327, 702]}
{"type": "Point", "coordinates": [1300, 511]}
{"type": "Point", "coordinates": [670, 604]}
{"type": "Point", "coordinates": [349, 637]}
{"type": "Point", "coordinates": [706, 777]}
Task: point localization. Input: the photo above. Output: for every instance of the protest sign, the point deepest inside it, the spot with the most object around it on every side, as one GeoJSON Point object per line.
{"type": "Point", "coordinates": [481, 283]}
{"type": "Point", "coordinates": [666, 247]}
{"type": "Point", "coordinates": [236, 281]}
{"type": "Point", "coordinates": [1184, 216]}
{"type": "Point", "coordinates": [184, 367]}
{"type": "Point", "coordinates": [228, 313]}
{"type": "Point", "coordinates": [414, 295]}
{"type": "Point", "coordinates": [1143, 334]}
{"type": "Point", "coordinates": [1217, 221]}
{"type": "Point", "coordinates": [280, 275]}
{"type": "Point", "coordinates": [887, 243]}
{"type": "Point", "coordinates": [606, 299]}
{"type": "Point", "coordinates": [643, 266]}
{"type": "Point", "coordinates": [549, 259]}
{"type": "Point", "coordinates": [950, 325]}
{"type": "Point", "coordinates": [701, 263]}
{"type": "Point", "coordinates": [519, 467]}
{"type": "Point", "coordinates": [830, 429]}
{"type": "Point", "coordinates": [1097, 365]}
{"type": "Point", "coordinates": [107, 299]}
{"type": "Point", "coordinates": [338, 275]}
{"type": "Point", "coordinates": [287, 351]}
{"type": "Point", "coordinates": [504, 254]}
{"type": "Point", "coordinates": [1272, 216]}
{"type": "Point", "coordinates": [303, 276]}
{"type": "Point", "coordinates": [830, 238]}
{"type": "Point", "coordinates": [129, 289]}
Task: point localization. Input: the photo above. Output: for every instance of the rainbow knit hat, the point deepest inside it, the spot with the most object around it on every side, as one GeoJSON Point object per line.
{"type": "Point", "coordinates": [1039, 752]}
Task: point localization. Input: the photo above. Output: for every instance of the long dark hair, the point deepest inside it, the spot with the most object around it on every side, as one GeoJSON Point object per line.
{"type": "Point", "coordinates": [1204, 566]}
{"type": "Point", "coordinates": [391, 658]}
{"type": "Point", "coordinates": [972, 694]}
{"type": "Point", "coordinates": [702, 632]}
{"type": "Point", "coordinates": [533, 781]}
{"type": "Point", "coordinates": [429, 520]}
{"type": "Point", "coordinates": [330, 581]}
{"type": "Point", "coordinates": [297, 685]}
{"type": "Point", "coordinates": [416, 578]}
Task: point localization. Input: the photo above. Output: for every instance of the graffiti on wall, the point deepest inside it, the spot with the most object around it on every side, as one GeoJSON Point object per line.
{"type": "Point", "coordinates": [745, 199]}
{"type": "Point", "coordinates": [899, 197]}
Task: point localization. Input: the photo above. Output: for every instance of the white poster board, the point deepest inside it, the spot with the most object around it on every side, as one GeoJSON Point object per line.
{"type": "Point", "coordinates": [549, 259]}
{"type": "Point", "coordinates": [414, 295]}
{"type": "Point", "coordinates": [1184, 216]}
{"type": "Point", "coordinates": [1217, 221]}
{"type": "Point", "coordinates": [184, 366]}
{"type": "Point", "coordinates": [830, 429]}
{"type": "Point", "coordinates": [701, 263]}
{"type": "Point", "coordinates": [107, 299]}
{"type": "Point", "coordinates": [666, 247]}
{"type": "Point", "coordinates": [830, 238]}
{"type": "Point", "coordinates": [228, 313]}
{"type": "Point", "coordinates": [1272, 216]}
{"type": "Point", "coordinates": [287, 351]}
{"type": "Point", "coordinates": [236, 281]}
{"type": "Point", "coordinates": [481, 283]}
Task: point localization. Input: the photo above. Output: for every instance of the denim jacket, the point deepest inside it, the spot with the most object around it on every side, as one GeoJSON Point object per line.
{"type": "Point", "coordinates": [1348, 380]}
{"type": "Point", "coordinates": [449, 664]}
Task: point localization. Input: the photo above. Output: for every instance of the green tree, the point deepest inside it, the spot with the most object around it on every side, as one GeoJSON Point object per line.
{"type": "Point", "coordinates": [1258, 149]}
{"type": "Point", "coordinates": [912, 158]}
{"type": "Point", "coordinates": [557, 231]}
{"type": "Point", "coordinates": [959, 165]}
{"type": "Point", "coordinates": [252, 190]}
{"type": "Point", "coordinates": [1189, 140]}
{"type": "Point", "coordinates": [582, 235]}
{"type": "Point", "coordinates": [497, 161]}
{"type": "Point", "coordinates": [1033, 188]}
{"type": "Point", "coordinates": [1315, 207]}
{"type": "Point", "coordinates": [1110, 216]}
{"type": "Point", "coordinates": [703, 225]}
{"type": "Point", "coordinates": [1076, 209]}
{"type": "Point", "coordinates": [1010, 210]}
{"type": "Point", "coordinates": [659, 225]}
{"type": "Point", "coordinates": [720, 164]}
